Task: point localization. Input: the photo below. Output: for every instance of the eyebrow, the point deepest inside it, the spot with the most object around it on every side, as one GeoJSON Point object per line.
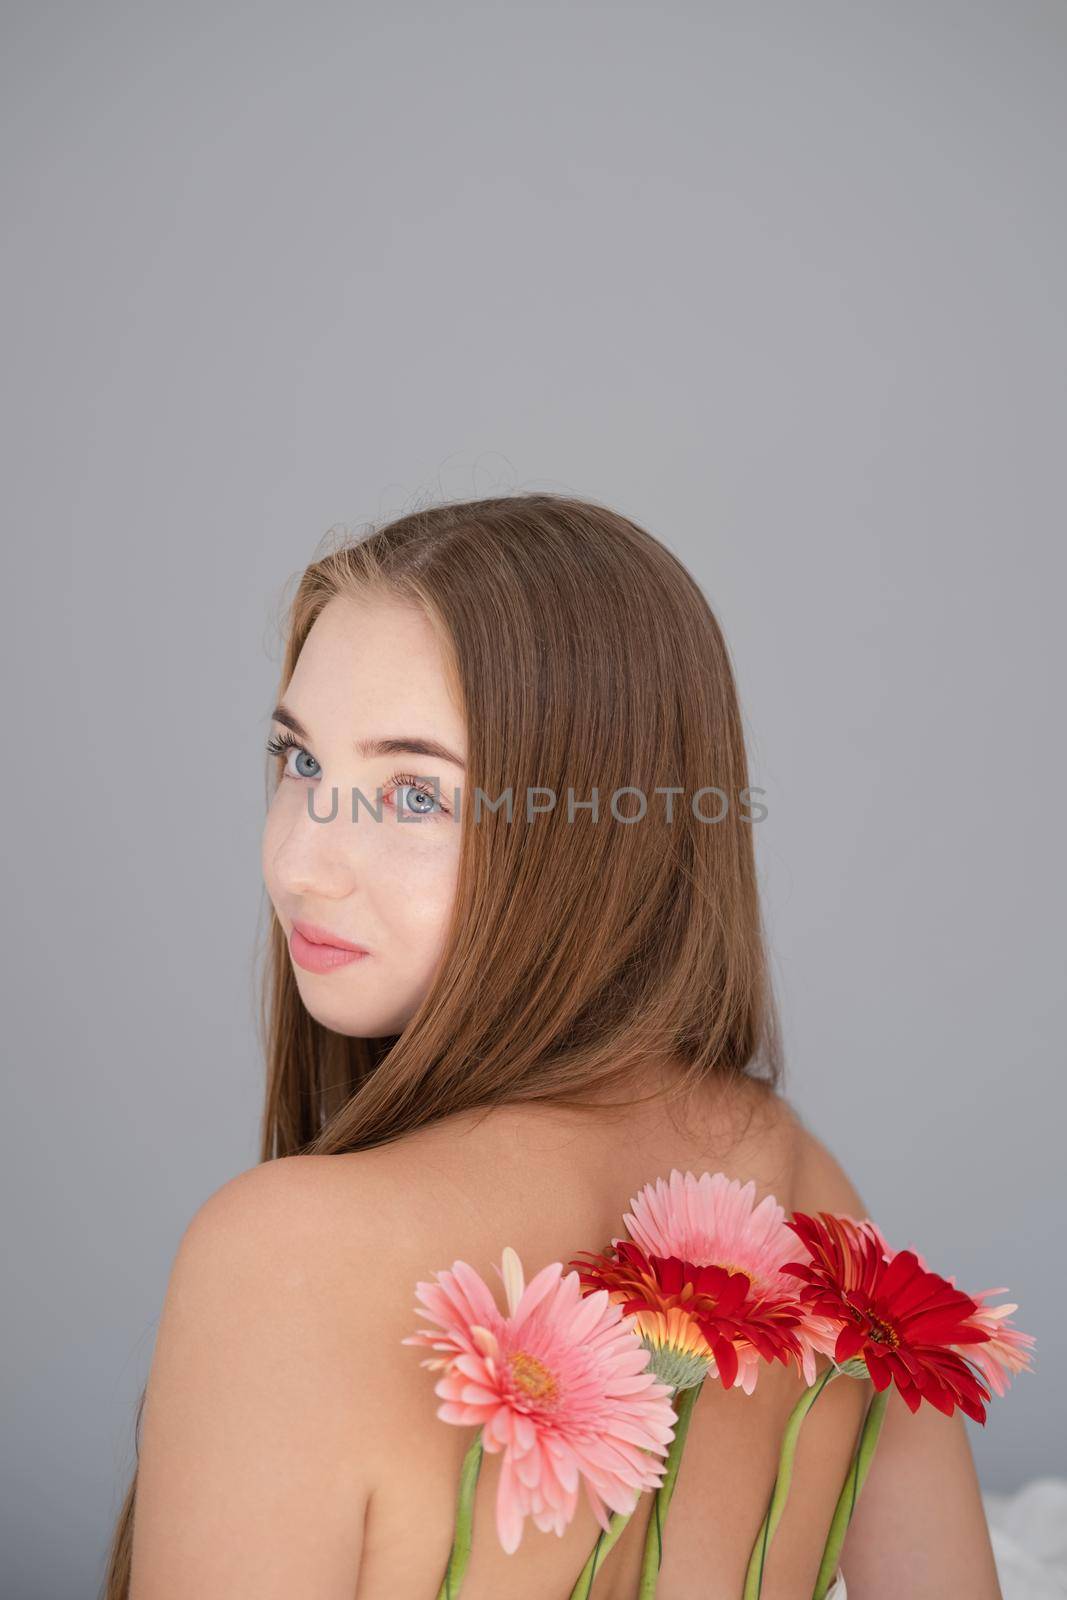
{"type": "Point", "coordinates": [397, 744]}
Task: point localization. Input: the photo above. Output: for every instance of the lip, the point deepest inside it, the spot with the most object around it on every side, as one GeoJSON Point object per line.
{"type": "Point", "coordinates": [316, 935]}
{"type": "Point", "coordinates": [316, 949]}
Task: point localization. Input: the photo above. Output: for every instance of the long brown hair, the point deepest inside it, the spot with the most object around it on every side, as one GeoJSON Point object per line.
{"type": "Point", "coordinates": [585, 658]}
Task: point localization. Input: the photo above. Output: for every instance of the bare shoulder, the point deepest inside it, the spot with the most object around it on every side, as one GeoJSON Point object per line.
{"type": "Point", "coordinates": [327, 1237]}
{"type": "Point", "coordinates": [768, 1138]}
{"type": "Point", "coordinates": [257, 1460]}
{"type": "Point", "coordinates": [820, 1180]}
{"type": "Point", "coordinates": [328, 1208]}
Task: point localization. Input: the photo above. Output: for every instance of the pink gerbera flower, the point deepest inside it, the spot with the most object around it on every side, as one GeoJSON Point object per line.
{"type": "Point", "coordinates": [1008, 1348]}
{"type": "Point", "coordinates": [559, 1383]}
{"type": "Point", "coordinates": [702, 1273]}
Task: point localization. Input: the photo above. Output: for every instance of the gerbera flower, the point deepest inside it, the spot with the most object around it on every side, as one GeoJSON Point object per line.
{"type": "Point", "coordinates": [559, 1383]}
{"type": "Point", "coordinates": [1008, 1348]}
{"type": "Point", "coordinates": [702, 1274]}
{"type": "Point", "coordinates": [908, 1325]}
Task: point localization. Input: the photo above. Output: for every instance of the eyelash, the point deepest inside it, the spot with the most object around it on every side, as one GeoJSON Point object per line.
{"type": "Point", "coordinates": [279, 743]}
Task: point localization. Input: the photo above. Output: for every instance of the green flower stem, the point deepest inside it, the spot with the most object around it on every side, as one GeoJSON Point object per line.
{"type": "Point", "coordinates": [684, 1402]}
{"type": "Point", "coordinates": [683, 1405]}
{"type": "Point", "coordinates": [460, 1553]}
{"type": "Point", "coordinates": [617, 1523]}
{"type": "Point", "coordinates": [780, 1493]}
{"type": "Point", "coordinates": [861, 1461]}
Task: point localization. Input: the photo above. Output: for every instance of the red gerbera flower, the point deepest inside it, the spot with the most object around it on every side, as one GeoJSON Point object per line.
{"type": "Point", "coordinates": [701, 1273]}
{"type": "Point", "coordinates": [716, 1303]}
{"type": "Point", "coordinates": [901, 1319]}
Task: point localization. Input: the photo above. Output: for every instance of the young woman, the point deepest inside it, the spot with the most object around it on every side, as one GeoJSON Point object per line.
{"type": "Point", "coordinates": [490, 1026]}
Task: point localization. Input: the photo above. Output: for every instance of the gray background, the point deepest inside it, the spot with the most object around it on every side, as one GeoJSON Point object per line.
{"type": "Point", "coordinates": [782, 282]}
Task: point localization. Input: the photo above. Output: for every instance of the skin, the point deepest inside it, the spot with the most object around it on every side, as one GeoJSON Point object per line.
{"type": "Point", "coordinates": [369, 669]}
{"type": "Point", "coordinates": [289, 1443]}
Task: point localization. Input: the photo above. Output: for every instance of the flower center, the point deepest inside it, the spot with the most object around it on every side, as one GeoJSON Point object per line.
{"type": "Point", "coordinates": [531, 1376]}
{"type": "Point", "coordinates": [880, 1332]}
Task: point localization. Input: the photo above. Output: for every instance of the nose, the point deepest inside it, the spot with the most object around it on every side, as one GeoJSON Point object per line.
{"type": "Point", "coordinates": [315, 856]}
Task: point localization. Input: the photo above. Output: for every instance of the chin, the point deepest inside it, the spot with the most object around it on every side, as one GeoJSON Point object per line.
{"type": "Point", "coordinates": [356, 1022]}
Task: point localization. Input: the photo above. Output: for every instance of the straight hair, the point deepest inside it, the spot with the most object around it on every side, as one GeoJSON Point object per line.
{"type": "Point", "coordinates": [584, 954]}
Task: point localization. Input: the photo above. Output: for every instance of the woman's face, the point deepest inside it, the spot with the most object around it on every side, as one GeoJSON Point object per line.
{"type": "Point", "coordinates": [369, 688]}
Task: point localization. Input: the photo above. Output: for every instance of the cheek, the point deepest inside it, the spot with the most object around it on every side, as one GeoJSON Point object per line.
{"type": "Point", "coordinates": [268, 846]}
{"type": "Point", "coordinates": [416, 888]}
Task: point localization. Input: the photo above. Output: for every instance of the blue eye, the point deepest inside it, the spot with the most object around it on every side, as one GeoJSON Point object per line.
{"type": "Point", "coordinates": [422, 801]}
{"type": "Point", "coordinates": [278, 744]}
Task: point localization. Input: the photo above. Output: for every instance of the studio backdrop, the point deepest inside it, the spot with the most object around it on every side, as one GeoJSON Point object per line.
{"type": "Point", "coordinates": [782, 283]}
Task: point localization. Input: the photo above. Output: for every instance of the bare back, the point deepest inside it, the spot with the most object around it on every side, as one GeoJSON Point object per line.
{"type": "Point", "coordinates": [291, 1443]}
{"type": "Point", "coordinates": [551, 1183]}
